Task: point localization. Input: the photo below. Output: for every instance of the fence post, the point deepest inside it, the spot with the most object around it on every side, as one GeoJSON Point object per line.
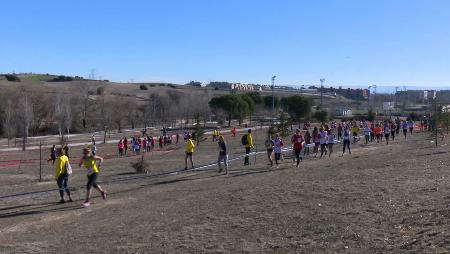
{"type": "Point", "coordinates": [40, 161]}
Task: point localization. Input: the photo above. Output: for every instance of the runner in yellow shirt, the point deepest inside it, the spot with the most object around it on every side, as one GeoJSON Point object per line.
{"type": "Point", "coordinates": [189, 152]}
{"type": "Point", "coordinates": [247, 141]}
{"type": "Point", "coordinates": [92, 163]}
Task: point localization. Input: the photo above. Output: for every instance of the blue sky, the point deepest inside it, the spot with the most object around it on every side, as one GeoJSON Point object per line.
{"type": "Point", "coordinates": [347, 42]}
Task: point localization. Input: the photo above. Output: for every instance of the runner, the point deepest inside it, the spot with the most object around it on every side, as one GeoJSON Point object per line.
{"type": "Point", "coordinates": [189, 152]}
{"type": "Point", "coordinates": [62, 170]}
{"type": "Point", "coordinates": [316, 140]}
{"type": "Point", "coordinates": [247, 141]}
{"type": "Point", "coordinates": [355, 132]}
{"type": "Point", "coordinates": [405, 128]}
{"type": "Point", "coordinates": [52, 154]}
{"type": "Point", "coordinates": [378, 133]}
{"type": "Point", "coordinates": [346, 140]}
{"type": "Point", "coordinates": [330, 142]}
{"type": "Point", "coordinates": [120, 147]}
{"type": "Point", "coordinates": [297, 141]}
{"type": "Point", "coordinates": [269, 148]}
{"type": "Point", "coordinates": [307, 143]}
{"type": "Point", "coordinates": [125, 145]}
{"type": "Point", "coordinates": [387, 132]}
{"type": "Point", "coordinates": [277, 148]}
{"type": "Point", "coordinates": [411, 126]}
{"type": "Point", "coordinates": [323, 142]}
{"type": "Point", "coordinates": [367, 134]}
{"type": "Point", "coordinates": [339, 131]}
{"type": "Point", "coordinates": [372, 133]}
{"type": "Point", "coordinates": [92, 163]}
{"type": "Point", "coordinates": [223, 155]}
{"type": "Point", "coordinates": [393, 129]}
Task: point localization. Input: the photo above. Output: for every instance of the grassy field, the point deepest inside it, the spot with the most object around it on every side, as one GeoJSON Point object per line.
{"type": "Point", "coordinates": [380, 199]}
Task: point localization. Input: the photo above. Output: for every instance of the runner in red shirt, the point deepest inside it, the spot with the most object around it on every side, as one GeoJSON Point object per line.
{"type": "Point", "coordinates": [297, 141]}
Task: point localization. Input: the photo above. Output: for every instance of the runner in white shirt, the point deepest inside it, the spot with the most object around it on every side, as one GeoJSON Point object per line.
{"type": "Point", "coordinates": [330, 142]}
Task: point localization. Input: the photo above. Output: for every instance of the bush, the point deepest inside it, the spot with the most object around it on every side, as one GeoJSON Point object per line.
{"type": "Point", "coordinates": [100, 90]}
{"type": "Point", "coordinates": [61, 79]}
{"type": "Point", "coordinates": [141, 166]}
{"type": "Point", "coordinates": [321, 116]}
{"type": "Point", "coordinates": [12, 78]}
{"type": "Point", "coordinates": [143, 87]}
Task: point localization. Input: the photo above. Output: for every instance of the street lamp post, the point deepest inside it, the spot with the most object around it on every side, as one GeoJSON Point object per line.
{"type": "Point", "coordinates": [273, 96]}
{"type": "Point", "coordinates": [368, 98]}
{"type": "Point", "coordinates": [321, 91]}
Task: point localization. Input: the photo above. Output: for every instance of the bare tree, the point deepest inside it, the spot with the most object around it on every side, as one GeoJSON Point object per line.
{"type": "Point", "coordinates": [25, 114]}
{"type": "Point", "coordinates": [8, 120]}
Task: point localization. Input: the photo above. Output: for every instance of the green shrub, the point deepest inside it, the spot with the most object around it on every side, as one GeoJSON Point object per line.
{"type": "Point", "coordinates": [143, 87]}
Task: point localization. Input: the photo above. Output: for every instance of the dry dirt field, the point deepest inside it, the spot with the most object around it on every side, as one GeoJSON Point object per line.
{"type": "Point", "coordinates": [380, 199]}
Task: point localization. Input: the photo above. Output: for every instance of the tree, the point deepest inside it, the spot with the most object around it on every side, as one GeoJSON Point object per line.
{"type": "Point", "coordinates": [296, 106]}
{"type": "Point", "coordinates": [268, 102]}
{"type": "Point", "coordinates": [321, 116]}
{"type": "Point", "coordinates": [371, 115]}
{"type": "Point", "coordinates": [25, 115]}
{"type": "Point", "coordinates": [234, 105]}
{"type": "Point", "coordinates": [8, 120]}
{"type": "Point", "coordinates": [199, 130]}
{"type": "Point", "coordinates": [256, 97]}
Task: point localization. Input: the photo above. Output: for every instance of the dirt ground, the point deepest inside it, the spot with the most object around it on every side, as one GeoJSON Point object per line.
{"type": "Point", "coordinates": [380, 199]}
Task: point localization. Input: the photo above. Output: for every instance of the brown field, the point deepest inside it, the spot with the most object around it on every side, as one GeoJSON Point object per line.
{"type": "Point", "coordinates": [380, 199]}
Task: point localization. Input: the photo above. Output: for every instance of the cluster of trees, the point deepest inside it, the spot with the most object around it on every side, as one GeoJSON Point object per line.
{"type": "Point", "coordinates": [11, 77]}
{"type": "Point", "coordinates": [240, 106]}
{"type": "Point", "coordinates": [62, 78]}
{"type": "Point", "coordinates": [92, 107]}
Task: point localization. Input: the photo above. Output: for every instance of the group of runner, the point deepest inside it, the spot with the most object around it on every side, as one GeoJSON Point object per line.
{"type": "Point", "coordinates": [321, 139]}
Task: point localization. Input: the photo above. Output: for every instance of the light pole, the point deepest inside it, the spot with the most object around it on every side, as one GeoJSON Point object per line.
{"type": "Point", "coordinates": [321, 91]}
{"type": "Point", "coordinates": [368, 97]}
{"type": "Point", "coordinates": [273, 96]}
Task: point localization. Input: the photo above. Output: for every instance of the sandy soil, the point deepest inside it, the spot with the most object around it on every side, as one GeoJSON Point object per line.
{"type": "Point", "coordinates": [380, 199]}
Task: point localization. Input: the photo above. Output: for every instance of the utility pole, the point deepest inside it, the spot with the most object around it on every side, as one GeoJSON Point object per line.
{"type": "Point", "coordinates": [368, 97]}
{"type": "Point", "coordinates": [321, 92]}
{"type": "Point", "coordinates": [273, 95]}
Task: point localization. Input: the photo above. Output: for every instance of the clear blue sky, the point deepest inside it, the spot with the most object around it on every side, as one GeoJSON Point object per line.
{"type": "Point", "coordinates": [347, 42]}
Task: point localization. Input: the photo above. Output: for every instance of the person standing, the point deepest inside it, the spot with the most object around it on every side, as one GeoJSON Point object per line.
{"type": "Point", "coordinates": [247, 141]}
{"type": "Point", "coordinates": [52, 155]}
{"type": "Point", "coordinates": [234, 131]}
{"type": "Point", "coordinates": [66, 150]}
{"type": "Point", "coordinates": [62, 171]}
{"type": "Point", "coordinates": [189, 152]}
{"type": "Point", "coordinates": [92, 163]}
{"type": "Point", "coordinates": [277, 148]}
{"type": "Point", "coordinates": [297, 142]}
{"type": "Point", "coordinates": [178, 137]}
{"type": "Point", "coordinates": [223, 155]}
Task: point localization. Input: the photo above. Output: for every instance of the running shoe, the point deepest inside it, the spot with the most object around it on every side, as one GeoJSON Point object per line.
{"type": "Point", "coordinates": [104, 195]}
{"type": "Point", "coordinates": [86, 204]}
